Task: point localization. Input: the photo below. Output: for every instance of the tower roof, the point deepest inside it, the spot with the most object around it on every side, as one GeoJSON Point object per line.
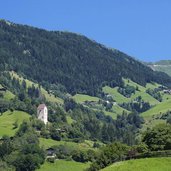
{"type": "Point", "coordinates": [41, 106]}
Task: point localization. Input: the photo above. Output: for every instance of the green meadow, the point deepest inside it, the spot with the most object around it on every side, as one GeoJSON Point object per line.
{"type": "Point", "coordinates": [117, 110]}
{"type": "Point", "coordinates": [46, 143]}
{"type": "Point", "coordinates": [7, 119]}
{"type": "Point", "coordinates": [119, 98]}
{"type": "Point", "coordinates": [80, 98]}
{"type": "Point", "coordinates": [158, 109]}
{"type": "Point", "coordinates": [7, 95]}
{"type": "Point", "coordinates": [147, 164]}
{"type": "Point", "coordinates": [62, 165]}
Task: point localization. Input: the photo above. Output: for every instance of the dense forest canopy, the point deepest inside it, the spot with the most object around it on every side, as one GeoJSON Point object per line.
{"type": "Point", "coordinates": [68, 59]}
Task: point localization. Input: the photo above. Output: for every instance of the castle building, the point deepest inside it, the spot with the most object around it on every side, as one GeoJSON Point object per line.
{"type": "Point", "coordinates": [42, 113]}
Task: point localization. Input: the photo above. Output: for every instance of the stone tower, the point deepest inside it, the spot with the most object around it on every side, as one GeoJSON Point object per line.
{"type": "Point", "coordinates": [42, 113]}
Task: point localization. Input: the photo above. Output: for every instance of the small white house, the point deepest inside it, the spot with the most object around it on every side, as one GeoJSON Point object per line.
{"type": "Point", "coordinates": [42, 113]}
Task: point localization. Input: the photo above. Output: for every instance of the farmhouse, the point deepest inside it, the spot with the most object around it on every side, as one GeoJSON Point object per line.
{"type": "Point", "coordinates": [42, 113]}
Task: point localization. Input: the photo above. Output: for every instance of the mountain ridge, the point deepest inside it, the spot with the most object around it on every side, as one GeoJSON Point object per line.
{"type": "Point", "coordinates": [65, 59]}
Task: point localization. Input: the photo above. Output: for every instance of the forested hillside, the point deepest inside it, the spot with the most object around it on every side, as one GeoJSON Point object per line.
{"type": "Point", "coordinates": [80, 65]}
{"type": "Point", "coordinates": [103, 105]}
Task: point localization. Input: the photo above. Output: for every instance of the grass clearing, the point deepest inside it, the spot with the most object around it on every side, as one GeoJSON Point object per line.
{"type": "Point", "coordinates": [111, 114]}
{"type": "Point", "coordinates": [117, 110]}
{"type": "Point", "coordinates": [146, 97]}
{"type": "Point", "coordinates": [7, 119]}
{"type": "Point", "coordinates": [152, 85]}
{"type": "Point", "coordinates": [119, 98]}
{"type": "Point", "coordinates": [158, 109]}
{"type": "Point", "coordinates": [147, 164]}
{"type": "Point", "coordinates": [80, 98]}
{"type": "Point", "coordinates": [165, 96]}
{"type": "Point", "coordinates": [7, 95]}
{"type": "Point", "coordinates": [142, 91]}
{"type": "Point", "coordinates": [47, 143]}
{"type": "Point", "coordinates": [62, 165]}
{"type": "Point", "coordinates": [134, 84]}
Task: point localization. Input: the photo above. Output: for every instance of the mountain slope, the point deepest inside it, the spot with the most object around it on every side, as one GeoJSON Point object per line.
{"type": "Point", "coordinates": [156, 164]}
{"type": "Point", "coordinates": [8, 121]}
{"type": "Point", "coordinates": [163, 65]}
{"type": "Point", "coordinates": [67, 59]}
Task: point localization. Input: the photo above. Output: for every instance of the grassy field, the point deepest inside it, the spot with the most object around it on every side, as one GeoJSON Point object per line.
{"type": "Point", "coordinates": [141, 88]}
{"type": "Point", "coordinates": [117, 111]}
{"type": "Point", "coordinates": [62, 165]}
{"type": "Point", "coordinates": [134, 84]}
{"type": "Point", "coordinates": [146, 97]}
{"type": "Point", "coordinates": [48, 96]}
{"type": "Point", "coordinates": [7, 94]}
{"type": "Point", "coordinates": [158, 109]}
{"type": "Point", "coordinates": [111, 114]}
{"type": "Point", "coordinates": [119, 98]}
{"type": "Point", "coordinates": [166, 97]}
{"type": "Point", "coordinates": [148, 164]}
{"type": "Point", "coordinates": [80, 98]}
{"type": "Point", "coordinates": [46, 143]}
{"type": "Point", "coordinates": [7, 120]}
{"type": "Point", "coordinates": [142, 91]}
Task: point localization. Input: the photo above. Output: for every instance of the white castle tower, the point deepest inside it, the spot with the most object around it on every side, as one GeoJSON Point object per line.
{"type": "Point", "coordinates": [42, 113]}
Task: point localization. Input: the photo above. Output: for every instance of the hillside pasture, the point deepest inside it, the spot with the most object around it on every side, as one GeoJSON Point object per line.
{"type": "Point", "coordinates": [7, 95]}
{"type": "Point", "coordinates": [80, 98]}
{"type": "Point", "coordinates": [119, 98]}
{"type": "Point", "coordinates": [62, 165]}
{"type": "Point", "coordinates": [7, 119]}
{"type": "Point", "coordinates": [147, 164]}
{"type": "Point", "coordinates": [158, 109]}
{"type": "Point", "coordinates": [116, 110]}
{"type": "Point", "coordinates": [47, 143]}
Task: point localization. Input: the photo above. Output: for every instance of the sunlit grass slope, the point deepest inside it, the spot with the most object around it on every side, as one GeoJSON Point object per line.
{"type": "Point", "coordinates": [46, 143]}
{"type": "Point", "coordinates": [158, 109]}
{"type": "Point", "coordinates": [148, 164]}
{"type": "Point", "coordinates": [80, 98]}
{"type": "Point", "coordinates": [62, 165]}
{"type": "Point", "coordinates": [7, 120]}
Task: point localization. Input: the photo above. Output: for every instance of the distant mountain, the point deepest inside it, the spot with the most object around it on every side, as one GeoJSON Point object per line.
{"type": "Point", "coordinates": [163, 66]}
{"type": "Point", "coordinates": [80, 65]}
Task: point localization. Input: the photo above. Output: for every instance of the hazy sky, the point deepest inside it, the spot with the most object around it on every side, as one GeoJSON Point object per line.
{"type": "Point", "coordinates": [140, 28]}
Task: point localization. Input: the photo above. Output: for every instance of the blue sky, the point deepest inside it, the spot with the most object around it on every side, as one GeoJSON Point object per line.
{"type": "Point", "coordinates": [141, 29]}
